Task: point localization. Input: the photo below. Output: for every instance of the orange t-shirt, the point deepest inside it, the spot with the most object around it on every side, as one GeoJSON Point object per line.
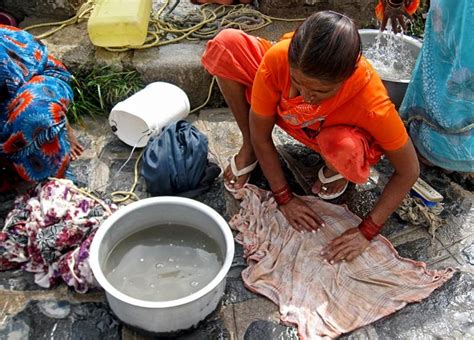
{"type": "Point", "coordinates": [362, 101]}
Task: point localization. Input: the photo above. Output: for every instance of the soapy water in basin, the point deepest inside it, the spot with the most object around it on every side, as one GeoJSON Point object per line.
{"type": "Point", "coordinates": [390, 57]}
{"type": "Point", "coordinates": [163, 263]}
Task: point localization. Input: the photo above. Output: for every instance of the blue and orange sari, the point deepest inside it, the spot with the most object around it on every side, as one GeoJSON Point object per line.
{"type": "Point", "coordinates": [34, 96]}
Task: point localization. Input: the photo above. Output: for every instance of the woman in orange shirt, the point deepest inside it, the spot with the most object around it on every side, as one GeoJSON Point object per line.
{"type": "Point", "coordinates": [318, 88]}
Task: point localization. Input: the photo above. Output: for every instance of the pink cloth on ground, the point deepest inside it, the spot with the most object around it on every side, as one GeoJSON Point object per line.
{"type": "Point", "coordinates": [321, 299]}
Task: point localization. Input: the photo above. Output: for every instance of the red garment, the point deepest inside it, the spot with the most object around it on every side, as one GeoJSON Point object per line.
{"type": "Point", "coordinates": [359, 120]}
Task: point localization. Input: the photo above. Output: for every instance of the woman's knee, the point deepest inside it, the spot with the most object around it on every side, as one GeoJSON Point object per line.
{"type": "Point", "coordinates": [339, 139]}
{"type": "Point", "coordinates": [228, 37]}
{"type": "Point", "coordinates": [347, 150]}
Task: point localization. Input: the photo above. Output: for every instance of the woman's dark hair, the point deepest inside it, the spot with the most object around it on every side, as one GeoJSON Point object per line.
{"type": "Point", "coordinates": [326, 46]}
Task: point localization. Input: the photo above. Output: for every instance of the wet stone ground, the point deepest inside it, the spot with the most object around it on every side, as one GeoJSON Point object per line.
{"type": "Point", "coordinates": [28, 311]}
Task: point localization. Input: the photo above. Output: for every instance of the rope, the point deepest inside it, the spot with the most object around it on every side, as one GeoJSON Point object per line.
{"type": "Point", "coordinates": [164, 29]}
{"type": "Point", "coordinates": [208, 97]}
{"type": "Point", "coordinates": [122, 196]}
{"type": "Point", "coordinates": [82, 14]}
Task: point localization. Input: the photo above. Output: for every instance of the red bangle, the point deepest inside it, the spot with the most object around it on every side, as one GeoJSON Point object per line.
{"type": "Point", "coordinates": [369, 228]}
{"type": "Point", "coordinates": [282, 190]}
{"type": "Point", "coordinates": [283, 195]}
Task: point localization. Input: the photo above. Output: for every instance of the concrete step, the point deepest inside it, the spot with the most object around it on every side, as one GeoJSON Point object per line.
{"type": "Point", "coordinates": [178, 63]}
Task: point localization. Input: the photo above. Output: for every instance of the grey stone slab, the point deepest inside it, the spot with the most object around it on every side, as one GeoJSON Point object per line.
{"type": "Point", "coordinates": [58, 9]}
{"type": "Point", "coordinates": [420, 246]}
{"type": "Point", "coordinates": [448, 313]}
{"type": "Point", "coordinates": [214, 198]}
{"type": "Point", "coordinates": [62, 320]}
{"type": "Point", "coordinates": [445, 262]}
{"type": "Point", "coordinates": [236, 292]}
{"type": "Point", "coordinates": [254, 310]}
{"type": "Point", "coordinates": [267, 330]}
{"type": "Point", "coordinates": [82, 170]}
{"type": "Point", "coordinates": [7, 201]}
{"type": "Point", "coordinates": [114, 148]}
{"type": "Point", "coordinates": [179, 64]}
{"type": "Point", "coordinates": [211, 328]}
{"type": "Point", "coordinates": [468, 254]}
{"type": "Point", "coordinates": [394, 228]}
{"type": "Point", "coordinates": [222, 132]}
{"type": "Point", "coordinates": [18, 280]}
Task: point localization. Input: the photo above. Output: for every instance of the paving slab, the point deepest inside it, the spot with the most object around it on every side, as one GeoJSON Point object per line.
{"type": "Point", "coordinates": [31, 311]}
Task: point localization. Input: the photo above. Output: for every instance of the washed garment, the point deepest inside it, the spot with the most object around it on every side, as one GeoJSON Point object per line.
{"type": "Point", "coordinates": [49, 232]}
{"type": "Point", "coordinates": [362, 102]}
{"type": "Point", "coordinates": [319, 298]}
{"type": "Point", "coordinates": [35, 95]}
{"type": "Point", "coordinates": [439, 102]}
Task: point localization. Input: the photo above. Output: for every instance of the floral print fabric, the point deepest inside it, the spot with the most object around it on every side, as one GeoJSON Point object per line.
{"type": "Point", "coordinates": [33, 133]}
{"type": "Point", "coordinates": [49, 232]}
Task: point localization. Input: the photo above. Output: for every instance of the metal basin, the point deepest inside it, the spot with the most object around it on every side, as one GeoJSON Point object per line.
{"type": "Point", "coordinates": [174, 315]}
{"type": "Point", "coordinates": [396, 88]}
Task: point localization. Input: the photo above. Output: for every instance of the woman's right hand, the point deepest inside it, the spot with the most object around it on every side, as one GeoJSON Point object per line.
{"type": "Point", "coordinates": [395, 10]}
{"type": "Point", "coordinates": [300, 216]}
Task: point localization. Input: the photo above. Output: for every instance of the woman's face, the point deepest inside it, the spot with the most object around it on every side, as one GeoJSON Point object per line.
{"type": "Point", "coordinates": [313, 90]}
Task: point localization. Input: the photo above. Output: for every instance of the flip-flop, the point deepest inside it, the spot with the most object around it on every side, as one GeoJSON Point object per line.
{"type": "Point", "coordinates": [237, 173]}
{"type": "Point", "coordinates": [325, 180]}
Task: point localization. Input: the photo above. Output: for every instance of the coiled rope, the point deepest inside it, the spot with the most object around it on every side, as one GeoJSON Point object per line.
{"type": "Point", "coordinates": [164, 28]}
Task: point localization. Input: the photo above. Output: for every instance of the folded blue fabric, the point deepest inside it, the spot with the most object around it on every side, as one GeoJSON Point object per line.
{"type": "Point", "coordinates": [175, 161]}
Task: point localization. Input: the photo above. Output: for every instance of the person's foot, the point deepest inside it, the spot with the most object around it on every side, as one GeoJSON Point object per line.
{"type": "Point", "coordinates": [76, 148]}
{"type": "Point", "coordinates": [243, 159]}
{"type": "Point", "coordinates": [331, 188]}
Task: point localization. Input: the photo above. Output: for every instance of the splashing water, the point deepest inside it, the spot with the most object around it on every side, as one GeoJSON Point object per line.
{"type": "Point", "coordinates": [390, 57]}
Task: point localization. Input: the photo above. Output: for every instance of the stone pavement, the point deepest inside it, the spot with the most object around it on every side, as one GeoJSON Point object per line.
{"type": "Point", "coordinates": [28, 311]}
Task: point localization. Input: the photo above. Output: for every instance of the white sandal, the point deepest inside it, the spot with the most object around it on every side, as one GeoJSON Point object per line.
{"type": "Point", "coordinates": [237, 173]}
{"type": "Point", "coordinates": [326, 180]}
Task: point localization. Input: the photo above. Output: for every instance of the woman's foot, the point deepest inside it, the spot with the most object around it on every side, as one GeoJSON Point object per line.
{"type": "Point", "coordinates": [243, 159]}
{"type": "Point", "coordinates": [330, 188]}
{"type": "Point", "coordinates": [76, 148]}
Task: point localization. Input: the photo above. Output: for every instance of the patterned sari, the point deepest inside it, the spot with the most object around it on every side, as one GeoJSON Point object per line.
{"type": "Point", "coordinates": [439, 103]}
{"type": "Point", "coordinates": [35, 94]}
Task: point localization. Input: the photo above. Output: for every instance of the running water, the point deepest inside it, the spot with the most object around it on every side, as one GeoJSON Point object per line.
{"type": "Point", "coordinates": [390, 57]}
{"type": "Point", "coordinates": [163, 263]}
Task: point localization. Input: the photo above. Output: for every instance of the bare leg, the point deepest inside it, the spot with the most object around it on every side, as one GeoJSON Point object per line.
{"type": "Point", "coordinates": [76, 148]}
{"type": "Point", "coordinates": [234, 95]}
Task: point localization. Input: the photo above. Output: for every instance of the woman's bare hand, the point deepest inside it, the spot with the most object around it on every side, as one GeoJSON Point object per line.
{"type": "Point", "coordinates": [396, 14]}
{"type": "Point", "coordinates": [346, 247]}
{"type": "Point", "coordinates": [300, 216]}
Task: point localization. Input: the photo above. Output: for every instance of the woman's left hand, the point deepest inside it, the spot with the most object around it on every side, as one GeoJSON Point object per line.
{"type": "Point", "coordinates": [396, 14]}
{"type": "Point", "coordinates": [345, 247]}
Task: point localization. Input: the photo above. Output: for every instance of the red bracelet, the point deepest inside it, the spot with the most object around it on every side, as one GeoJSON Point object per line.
{"type": "Point", "coordinates": [369, 228]}
{"type": "Point", "coordinates": [283, 195]}
{"type": "Point", "coordinates": [282, 190]}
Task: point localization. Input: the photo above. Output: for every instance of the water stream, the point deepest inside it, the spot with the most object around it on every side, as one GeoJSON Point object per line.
{"type": "Point", "coordinates": [390, 57]}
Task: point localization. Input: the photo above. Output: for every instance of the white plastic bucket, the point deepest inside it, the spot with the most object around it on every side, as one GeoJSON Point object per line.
{"type": "Point", "coordinates": [144, 114]}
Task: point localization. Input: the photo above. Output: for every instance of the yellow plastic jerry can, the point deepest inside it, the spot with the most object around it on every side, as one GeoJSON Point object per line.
{"type": "Point", "coordinates": [116, 23]}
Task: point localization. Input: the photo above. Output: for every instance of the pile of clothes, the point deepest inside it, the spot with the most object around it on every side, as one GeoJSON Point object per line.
{"type": "Point", "coordinates": [49, 232]}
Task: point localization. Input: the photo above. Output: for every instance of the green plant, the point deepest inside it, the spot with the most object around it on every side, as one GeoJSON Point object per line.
{"type": "Point", "coordinates": [96, 91]}
{"type": "Point", "coordinates": [417, 26]}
